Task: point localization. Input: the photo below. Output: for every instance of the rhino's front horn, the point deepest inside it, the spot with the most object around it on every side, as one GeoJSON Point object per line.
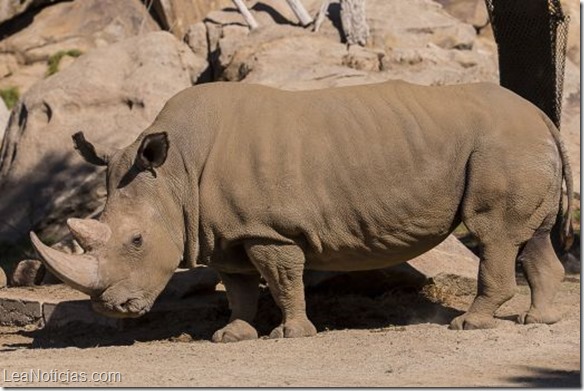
{"type": "Point", "coordinates": [77, 271]}
{"type": "Point", "coordinates": [90, 233]}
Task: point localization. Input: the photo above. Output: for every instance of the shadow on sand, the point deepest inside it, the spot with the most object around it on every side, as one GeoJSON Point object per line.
{"type": "Point", "coordinates": [546, 377]}
{"type": "Point", "coordinates": [205, 313]}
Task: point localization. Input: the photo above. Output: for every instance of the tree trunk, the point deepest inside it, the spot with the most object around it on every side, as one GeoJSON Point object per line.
{"type": "Point", "coordinates": [354, 21]}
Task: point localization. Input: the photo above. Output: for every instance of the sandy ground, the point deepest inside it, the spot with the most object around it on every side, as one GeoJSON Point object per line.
{"type": "Point", "coordinates": [396, 339]}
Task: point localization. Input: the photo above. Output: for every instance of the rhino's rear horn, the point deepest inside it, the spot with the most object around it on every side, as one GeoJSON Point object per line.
{"type": "Point", "coordinates": [90, 234]}
{"type": "Point", "coordinates": [77, 271]}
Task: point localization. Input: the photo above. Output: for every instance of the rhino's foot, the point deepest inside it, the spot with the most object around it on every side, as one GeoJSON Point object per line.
{"type": "Point", "coordinates": [294, 328]}
{"type": "Point", "coordinates": [237, 330]}
{"type": "Point", "coordinates": [471, 321]}
{"type": "Point", "coordinates": [536, 316]}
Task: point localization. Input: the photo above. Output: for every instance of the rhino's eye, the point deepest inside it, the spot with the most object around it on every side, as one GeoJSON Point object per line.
{"type": "Point", "coordinates": [137, 240]}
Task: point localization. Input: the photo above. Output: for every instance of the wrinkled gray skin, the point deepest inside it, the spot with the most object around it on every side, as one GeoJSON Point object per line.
{"type": "Point", "coordinates": [255, 181]}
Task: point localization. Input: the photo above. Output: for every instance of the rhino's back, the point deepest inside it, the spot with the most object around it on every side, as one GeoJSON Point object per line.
{"type": "Point", "coordinates": [358, 175]}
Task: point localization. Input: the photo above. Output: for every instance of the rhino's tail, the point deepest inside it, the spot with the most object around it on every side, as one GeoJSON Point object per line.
{"type": "Point", "coordinates": [567, 231]}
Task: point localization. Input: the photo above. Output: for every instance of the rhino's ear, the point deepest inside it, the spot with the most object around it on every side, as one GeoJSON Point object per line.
{"type": "Point", "coordinates": [89, 152]}
{"type": "Point", "coordinates": [153, 151]}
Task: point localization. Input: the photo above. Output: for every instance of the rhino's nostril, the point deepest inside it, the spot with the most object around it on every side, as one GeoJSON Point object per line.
{"type": "Point", "coordinates": [130, 305]}
{"type": "Point", "coordinates": [120, 308]}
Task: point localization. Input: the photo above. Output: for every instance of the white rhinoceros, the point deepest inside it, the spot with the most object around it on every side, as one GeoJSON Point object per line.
{"type": "Point", "coordinates": [253, 181]}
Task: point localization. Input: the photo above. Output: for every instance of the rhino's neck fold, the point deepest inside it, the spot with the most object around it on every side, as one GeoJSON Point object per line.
{"type": "Point", "coordinates": [169, 196]}
{"type": "Point", "coordinates": [190, 211]}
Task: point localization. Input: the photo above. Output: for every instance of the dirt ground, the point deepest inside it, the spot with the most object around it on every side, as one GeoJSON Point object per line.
{"type": "Point", "coordinates": [399, 338]}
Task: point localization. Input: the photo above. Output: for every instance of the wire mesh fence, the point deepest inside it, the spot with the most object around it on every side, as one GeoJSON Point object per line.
{"type": "Point", "coordinates": [531, 38]}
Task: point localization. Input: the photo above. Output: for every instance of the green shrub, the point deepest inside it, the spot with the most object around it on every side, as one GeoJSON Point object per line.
{"type": "Point", "coordinates": [55, 59]}
{"type": "Point", "coordinates": [10, 96]}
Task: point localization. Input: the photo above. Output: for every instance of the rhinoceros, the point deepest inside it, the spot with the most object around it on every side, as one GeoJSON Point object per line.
{"type": "Point", "coordinates": [255, 181]}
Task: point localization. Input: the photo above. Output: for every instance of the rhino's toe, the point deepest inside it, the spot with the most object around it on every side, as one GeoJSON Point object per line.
{"type": "Point", "coordinates": [294, 329]}
{"type": "Point", "coordinates": [238, 330]}
{"type": "Point", "coordinates": [473, 322]}
{"type": "Point", "coordinates": [535, 316]}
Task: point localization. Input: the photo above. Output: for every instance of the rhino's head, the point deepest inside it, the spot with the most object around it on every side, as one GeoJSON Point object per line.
{"type": "Point", "coordinates": [133, 249]}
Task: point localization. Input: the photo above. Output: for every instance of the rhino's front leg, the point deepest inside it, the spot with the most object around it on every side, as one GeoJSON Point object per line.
{"type": "Point", "coordinates": [282, 266]}
{"type": "Point", "coordinates": [242, 293]}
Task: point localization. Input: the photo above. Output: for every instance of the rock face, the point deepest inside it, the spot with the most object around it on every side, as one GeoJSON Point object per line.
{"type": "Point", "coordinates": [112, 94]}
{"type": "Point", "coordinates": [65, 26]}
{"type": "Point", "coordinates": [264, 58]}
{"type": "Point", "coordinates": [419, 42]}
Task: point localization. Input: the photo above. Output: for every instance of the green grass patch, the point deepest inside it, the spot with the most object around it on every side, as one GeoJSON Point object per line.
{"type": "Point", "coordinates": [10, 96]}
{"type": "Point", "coordinates": [54, 61]}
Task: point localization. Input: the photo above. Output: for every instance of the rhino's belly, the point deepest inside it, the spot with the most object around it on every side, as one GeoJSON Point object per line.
{"type": "Point", "coordinates": [386, 252]}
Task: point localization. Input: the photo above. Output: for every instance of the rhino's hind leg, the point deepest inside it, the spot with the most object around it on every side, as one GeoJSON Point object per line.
{"type": "Point", "coordinates": [242, 293]}
{"type": "Point", "coordinates": [282, 266]}
{"type": "Point", "coordinates": [544, 273]}
{"type": "Point", "coordinates": [508, 198]}
{"type": "Point", "coordinates": [496, 285]}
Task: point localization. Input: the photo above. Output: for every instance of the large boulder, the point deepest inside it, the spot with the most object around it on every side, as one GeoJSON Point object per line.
{"type": "Point", "coordinates": [292, 58]}
{"type": "Point", "coordinates": [67, 27]}
{"type": "Point", "coordinates": [112, 94]}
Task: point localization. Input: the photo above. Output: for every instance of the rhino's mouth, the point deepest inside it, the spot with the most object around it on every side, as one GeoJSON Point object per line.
{"type": "Point", "coordinates": [130, 308]}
